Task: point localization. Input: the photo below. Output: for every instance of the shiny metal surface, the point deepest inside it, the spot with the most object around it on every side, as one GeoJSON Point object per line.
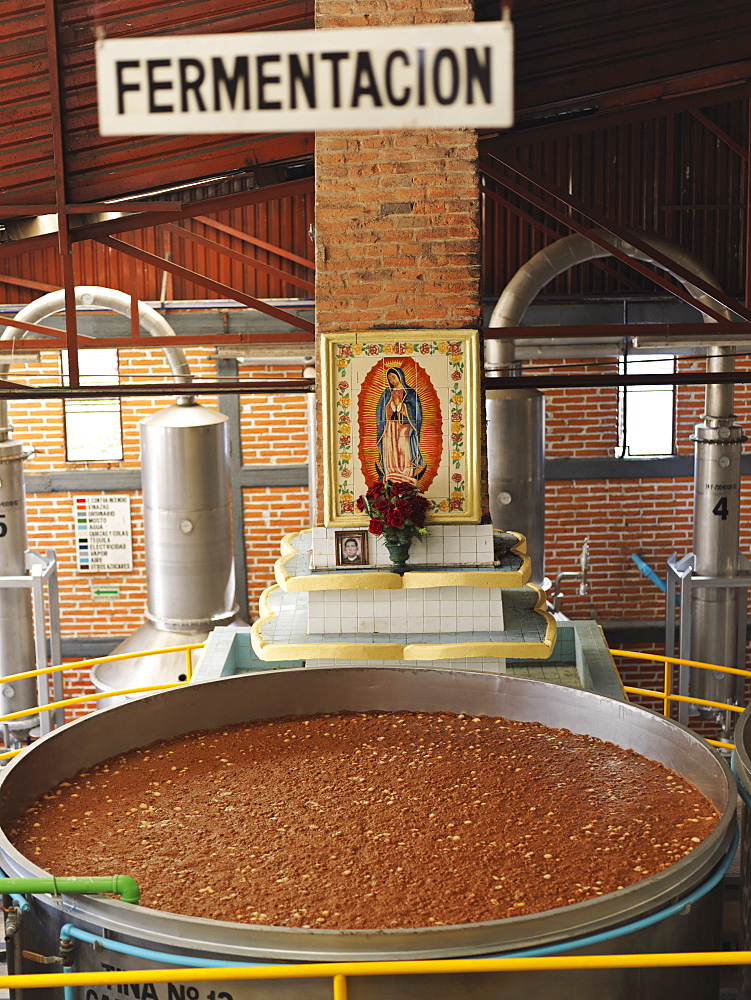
{"type": "Point", "coordinates": [715, 611]}
{"type": "Point", "coordinates": [159, 668]}
{"type": "Point", "coordinates": [516, 467]}
{"type": "Point", "coordinates": [305, 691]}
{"type": "Point", "coordinates": [187, 517]}
{"type": "Point", "coordinates": [16, 619]}
{"type": "Point", "coordinates": [507, 442]}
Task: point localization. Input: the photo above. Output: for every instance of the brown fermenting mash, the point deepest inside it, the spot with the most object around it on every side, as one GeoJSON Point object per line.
{"type": "Point", "coordinates": [371, 820]}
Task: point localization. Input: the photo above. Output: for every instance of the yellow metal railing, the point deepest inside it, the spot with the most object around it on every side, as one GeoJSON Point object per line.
{"type": "Point", "coordinates": [79, 664]}
{"type": "Point", "coordinates": [666, 695]}
{"type": "Point", "coordinates": [339, 972]}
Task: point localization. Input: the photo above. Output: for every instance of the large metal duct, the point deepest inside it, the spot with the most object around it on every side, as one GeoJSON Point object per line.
{"type": "Point", "coordinates": [515, 495]}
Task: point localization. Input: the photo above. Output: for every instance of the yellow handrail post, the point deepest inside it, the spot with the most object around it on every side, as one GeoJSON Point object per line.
{"type": "Point", "coordinates": [189, 663]}
{"type": "Point", "coordinates": [340, 987]}
{"type": "Point", "coordinates": [667, 688]}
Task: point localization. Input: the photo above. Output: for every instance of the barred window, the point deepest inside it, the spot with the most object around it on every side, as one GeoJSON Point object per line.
{"type": "Point", "coordinates": [93, 430]}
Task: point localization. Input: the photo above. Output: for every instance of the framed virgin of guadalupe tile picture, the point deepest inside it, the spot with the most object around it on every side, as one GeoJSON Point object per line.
{"type": "Point", "coordinates": [401, 406]}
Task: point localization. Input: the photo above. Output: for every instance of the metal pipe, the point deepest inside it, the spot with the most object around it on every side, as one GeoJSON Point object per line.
{"type": "Point", "coordinates": [107, 298]}
{"type": "Point", "coordinates": [715, 612]}
{"type": "Point", "coordinates": [16, 630]}
{"type": "Point", "coordinates": [120, 885]}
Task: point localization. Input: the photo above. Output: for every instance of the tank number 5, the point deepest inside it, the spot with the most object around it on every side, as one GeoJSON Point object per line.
{"type": "Point", "coordinates": [720, 509]}
{"type": "Point", "coordinates": [3, 526]}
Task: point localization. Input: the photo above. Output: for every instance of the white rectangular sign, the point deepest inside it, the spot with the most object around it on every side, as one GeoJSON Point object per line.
{"type": "Point", "coordinates": [419, 76]}
{"type": "Point", "coordinates": [103, 535]}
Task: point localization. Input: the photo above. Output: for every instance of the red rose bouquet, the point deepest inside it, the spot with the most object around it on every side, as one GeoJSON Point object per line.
{"type": "Point", "coordinates": [396, 511]}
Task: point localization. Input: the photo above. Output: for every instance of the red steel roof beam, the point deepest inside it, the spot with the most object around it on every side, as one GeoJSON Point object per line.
{"type": "Point", "coordinates": [61, 194]}
{"type": "Point", "coordinates": [246, 238]}
{"type": "Point", "coordinates": [621, 232]}
{"type": "Point", "coordinates": [186, 234]}
{"type": "Point", "coordinates": [205, 282]}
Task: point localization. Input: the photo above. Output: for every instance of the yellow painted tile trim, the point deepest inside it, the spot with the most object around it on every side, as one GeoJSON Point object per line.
{"type": "Point", "coordinates": [270, 652]}
{"type": "Point", "coordinates": [383, 579]}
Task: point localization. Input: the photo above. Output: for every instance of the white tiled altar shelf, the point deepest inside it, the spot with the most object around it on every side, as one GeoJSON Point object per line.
{"type": "Point", "coordinates": [445, 545]}
{"type": "Point", "coordinates": [468, 614]}
{"type": "Point", "coordinates": [437, 610]}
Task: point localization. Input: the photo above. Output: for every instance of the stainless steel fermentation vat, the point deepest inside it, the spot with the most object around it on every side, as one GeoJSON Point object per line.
{"type": "Point", "coordinates": [306, 691]}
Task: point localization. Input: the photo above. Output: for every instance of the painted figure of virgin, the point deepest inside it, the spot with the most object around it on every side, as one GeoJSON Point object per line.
{"type": "Point", "coordinates": [398, 427]}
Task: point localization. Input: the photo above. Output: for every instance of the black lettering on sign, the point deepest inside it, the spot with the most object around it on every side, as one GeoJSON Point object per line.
{"type": "Point", "coordinates": [175, 991]}
{"type": "Point", "coordinates": [91, 995]}
{"type": "Point", "coordinates": [232, 83]}
{"type": "Point", "coordinates": [154, 85]}
{"type": "Point", "coordinates": [478, 72]}
{"type": "Point", "coordinates": [304, 77]}
{"type": "Point", "coordinates": [3, 526]}
{"type": "Point", "coordinates": [721, 508]}
{"type": "Point", "coordinates": [335, 58]}
{"type": "Point", "coordinates": [403, 97]}
{"type": "Point", "coordinates": [448, 75]}
{"type": "Point", "coordinates": [123, 88]}
{"type": "Point", "coordinates": [263, 80]}
{"type": "Point", "coordinates": [365, 82]}
{"type": "Point", "coordinates": [192, 75]}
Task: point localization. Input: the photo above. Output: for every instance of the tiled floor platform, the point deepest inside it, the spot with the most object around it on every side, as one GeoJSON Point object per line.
{"type": "Point", "coordinates": [282, 633]}
{"type": "Point", "coordinates": [580, 658]}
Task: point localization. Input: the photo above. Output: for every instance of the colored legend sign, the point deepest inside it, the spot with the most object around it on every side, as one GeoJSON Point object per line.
{"type": "Point", "coordinates": [103, 533]}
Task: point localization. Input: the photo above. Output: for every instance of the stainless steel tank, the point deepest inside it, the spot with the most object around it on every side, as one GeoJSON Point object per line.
{"type": "Point", "coordinates": [16, 629]}
{"type": "Point", "coordinates": [187, 512]}
{"type": "Point", "coordinates": [516, 467]}
{"type": "Point", "coordinates": [306, 691]}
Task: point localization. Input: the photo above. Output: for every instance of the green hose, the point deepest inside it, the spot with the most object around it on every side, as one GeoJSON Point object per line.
{"type": "Point", "coordinates": [120, 885]}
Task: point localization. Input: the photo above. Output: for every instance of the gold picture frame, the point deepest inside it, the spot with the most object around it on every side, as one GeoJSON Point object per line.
{"type": "Point", "coordinates": [426, 383]}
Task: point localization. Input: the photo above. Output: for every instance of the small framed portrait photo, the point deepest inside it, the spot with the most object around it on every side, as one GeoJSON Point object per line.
{"type": "Point", "coordinates": [351, 548]}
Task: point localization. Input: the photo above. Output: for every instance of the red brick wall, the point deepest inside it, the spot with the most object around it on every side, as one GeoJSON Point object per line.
{"type": "Point", "coordinates": [649, 516]}
{"type": "Point", "coordinates": [397, 212]}
{"type": "Point", "coordinates": [273, 432]}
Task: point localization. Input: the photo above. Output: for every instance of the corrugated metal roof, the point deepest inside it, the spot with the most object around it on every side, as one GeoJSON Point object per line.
{"type": "Point", "coordinates": [579, 48]}
{"type": "Point", "coordinates": [98, 168]}
{"type": "Point", "coordinates": [599, 92]}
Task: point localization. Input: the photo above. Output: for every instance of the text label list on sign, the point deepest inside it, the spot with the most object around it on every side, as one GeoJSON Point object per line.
{"type": "Point", "coordinates": [432, 76]}
{"type": "Point", "coordinates": [103, 533]}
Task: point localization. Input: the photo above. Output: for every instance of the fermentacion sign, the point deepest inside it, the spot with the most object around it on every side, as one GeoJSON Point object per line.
{"type": "Point", "coordinates": [418, 76]}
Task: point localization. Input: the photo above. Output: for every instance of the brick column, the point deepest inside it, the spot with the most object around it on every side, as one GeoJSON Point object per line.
{"type": "Point", "coordinates": [397, 212]}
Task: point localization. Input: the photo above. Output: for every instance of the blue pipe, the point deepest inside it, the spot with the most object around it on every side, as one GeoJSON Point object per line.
{"type": "Point", "coordinates": [647, 571]}
{"type": "Point", "coordinates": [68, 931]}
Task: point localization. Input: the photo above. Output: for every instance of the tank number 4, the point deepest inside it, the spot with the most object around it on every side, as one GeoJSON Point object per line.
{"type": "Point", "coordinates": [720, 509]}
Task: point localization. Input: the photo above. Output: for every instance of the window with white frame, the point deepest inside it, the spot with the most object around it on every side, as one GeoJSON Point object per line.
{"type": "Point", "coordinates": [647, 412]}
{"type": "Point", "coordinates": [93, 431]}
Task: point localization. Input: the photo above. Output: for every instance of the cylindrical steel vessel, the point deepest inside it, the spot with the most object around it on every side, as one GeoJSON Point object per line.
{"type": "Point", "coordinates": [187, 517]}
{"type": "Point", "coordinates": [306, 691]}
{"type": "Point", "coordinates": [190, 570]}
{"type": "Point", "coordinates": [16, 628]}
{"type": "Point", "coordinates": [715, 610]}
{"type": "Point", "coordinates": [516, 468]}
